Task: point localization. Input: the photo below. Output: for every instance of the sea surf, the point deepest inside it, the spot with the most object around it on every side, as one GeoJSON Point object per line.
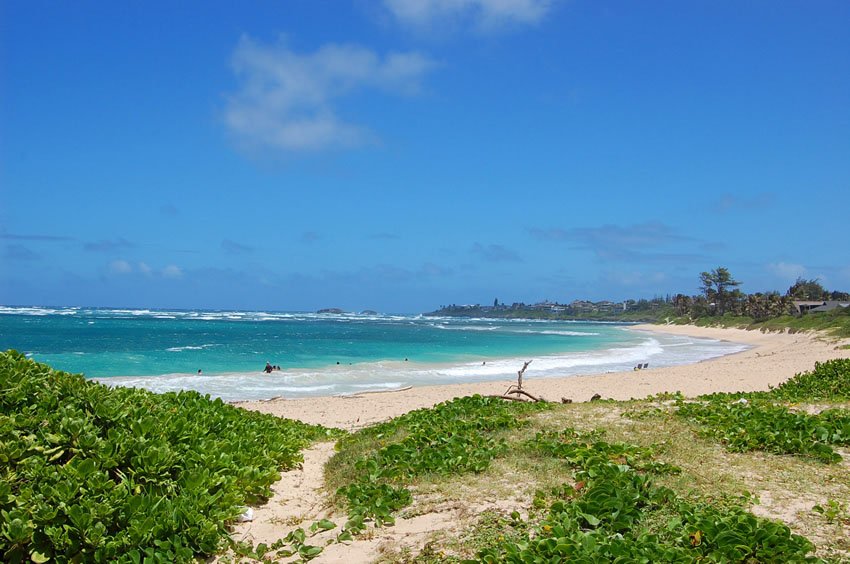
{"type": "Point", "coordinates": [223, 353]}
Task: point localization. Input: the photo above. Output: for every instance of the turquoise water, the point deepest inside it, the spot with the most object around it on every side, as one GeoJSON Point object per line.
{"type": "Point", "coordinates": [322, 354]}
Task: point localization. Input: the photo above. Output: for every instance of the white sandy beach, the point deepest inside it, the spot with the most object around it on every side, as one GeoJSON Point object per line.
{"type": "Point", "coordinates": [773, 358]}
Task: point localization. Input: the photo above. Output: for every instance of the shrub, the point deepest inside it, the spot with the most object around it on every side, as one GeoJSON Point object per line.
{"type": "Point", "coordinates": [92, 473]}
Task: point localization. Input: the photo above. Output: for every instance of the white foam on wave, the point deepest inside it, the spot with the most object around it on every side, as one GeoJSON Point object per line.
{"type": "Point", "coordinates": [467, 327]}
{"type": "Point", "coordinates": [658, 349]}
{"type": "Point", "coordinates": [229, 387]}
{"type": "Point", "coordinates": [208, 315]}
{"type": "Point", "coordinates": [191, 347]}
{"type": "Point", "coordinates": [556, 332]}
{"type": "Point", "coordinates": [383, 386]}
{"type": "Point", "coordinates": [565, 364]}
{"type": "Point", "coordinates": [37, 311]}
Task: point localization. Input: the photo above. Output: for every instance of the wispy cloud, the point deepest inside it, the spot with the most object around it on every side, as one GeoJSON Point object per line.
{"type": "Point", "coordinates": [430, 269]}
{"type": "Point", "coordinates": [109, 245]}
{"type": "Point", "coordinates": [495, 253]}
{"type": "Point", "coordinates": [310, 237]}
{"type": "Point", "coordinates": [172, 271]}
{"type": "Point", "coordinates": [234, 248]}
{"type": "Point", "coordinates": [651, 233]}
{"type": "Point", "coordinates": [484, 15]}
{"type": "Point", "coordinates": [787, 271]}
{"type": "Point", "coordinates": [382, 274]}
{"type": "Point", "coordinates": [18, 237]}
{"type": "Point", "coordinates": [287, 100]}
{"type": "Point", "coordinates": [645, 242]}
{"type": "Point", "coordinates": [19, 252]}
{"type": "Point", "coordinates": [120, 267]}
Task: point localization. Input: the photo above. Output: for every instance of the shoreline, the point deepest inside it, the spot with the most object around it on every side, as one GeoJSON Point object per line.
{"type": "Point", "coordinates": [772, 359]}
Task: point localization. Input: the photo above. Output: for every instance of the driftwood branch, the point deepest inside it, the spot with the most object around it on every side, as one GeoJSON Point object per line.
{"type": "Point", "coordinates": [523, 392]}
{"type": "Point", "coordinates": [520, 373]}
{"type": "Point", "coordinates": [512, 398]}
{"type": "Point", "coordinates": [515, 390]}
{"type": "Point", "coordinates": [514, 395]}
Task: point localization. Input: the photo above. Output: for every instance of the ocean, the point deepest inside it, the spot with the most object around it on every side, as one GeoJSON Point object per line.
{"type": "Point", "coordinates": [326, 354]}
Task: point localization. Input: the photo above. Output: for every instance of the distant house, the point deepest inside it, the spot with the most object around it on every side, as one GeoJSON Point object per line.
{"type": "Point", "coordinates": [806, 306]}
{"type": "Point", "coordinates": [582, 306]}
{"type": "Point", "coordinates": [605, 306]}
{"type": "Point", "coordinates": [829, 306]}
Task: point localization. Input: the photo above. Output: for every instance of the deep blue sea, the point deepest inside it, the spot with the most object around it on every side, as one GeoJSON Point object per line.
{"type": "Point", "coordinates": [325, 354]}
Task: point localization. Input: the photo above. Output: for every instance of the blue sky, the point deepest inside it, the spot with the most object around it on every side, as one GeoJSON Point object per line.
{"type": "Point", "coordinates": [399, 155]}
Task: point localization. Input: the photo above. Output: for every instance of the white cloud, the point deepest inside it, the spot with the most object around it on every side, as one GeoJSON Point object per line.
{"type": "Point", "coordinates": [172, 271]}
{"type": "Point", "coordinates": [145, 269]}
{"type": "Point", "coordinates": [286, 100]}
{"type": "Point", "coordinates": [787, 271]}
{"type": "Point", "coordinates": [120, 267]}
{"type": "Point", "coordinates": [483, 14]}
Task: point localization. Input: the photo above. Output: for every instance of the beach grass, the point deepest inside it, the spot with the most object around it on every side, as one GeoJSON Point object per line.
{"type": "Point", "coordinates": [833, 324]}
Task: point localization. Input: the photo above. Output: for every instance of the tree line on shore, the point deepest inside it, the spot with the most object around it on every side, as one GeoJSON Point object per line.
{"type": "Point", "coordinates": [719, 296]}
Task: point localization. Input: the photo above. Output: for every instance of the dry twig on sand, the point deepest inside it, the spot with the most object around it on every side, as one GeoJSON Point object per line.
{"type": "Point", "coordinates": [515, 390]}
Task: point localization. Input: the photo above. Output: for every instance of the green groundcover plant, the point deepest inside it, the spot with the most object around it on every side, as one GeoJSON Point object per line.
{"type": "Point", "coordinates": [743, 427]}
{"type": "Point", "coordinates": [97, 474]}
{"type": "Point", "coordinates": [453, 437]}
{"type": "Point", "coordinates": [829, 380]}
{"type": "Point", "coordinates": [614, 513]}
{"type": "Point", "coordinates": [762, 421]}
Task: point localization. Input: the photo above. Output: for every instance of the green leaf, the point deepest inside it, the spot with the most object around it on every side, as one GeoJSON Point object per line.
{"type": "Point", "coordinates": [325, 524]}
{"type": "Point", "coordinates": [309, 552]}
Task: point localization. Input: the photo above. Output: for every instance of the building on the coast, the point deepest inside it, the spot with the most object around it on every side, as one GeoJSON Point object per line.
{"type": "Point", "coordinates": [582, 306]}
{"type": "Point", "coordinates": [605, 306]}
{"type": "Point", "coordinates": [830, 305]}
{"type": "Point", "coordinates": [816, 306]}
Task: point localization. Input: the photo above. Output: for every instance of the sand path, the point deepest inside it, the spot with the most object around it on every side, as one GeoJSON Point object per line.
{"type": "Point", "coordinates": [299, 499]}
